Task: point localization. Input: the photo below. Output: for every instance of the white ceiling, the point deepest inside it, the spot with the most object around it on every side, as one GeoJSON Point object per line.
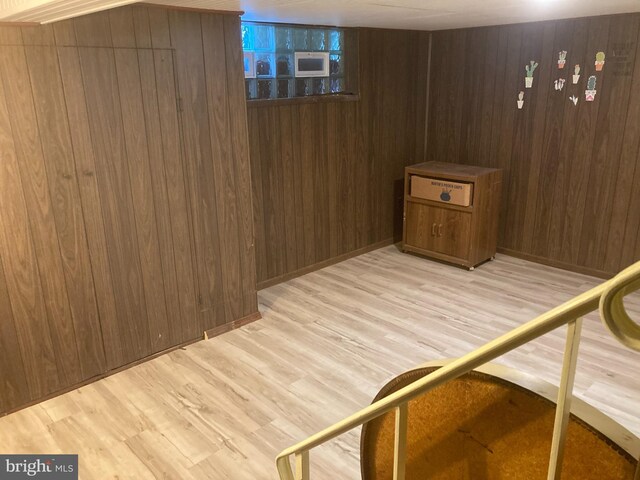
{"type": "Point", "coordinates": [404, 14]}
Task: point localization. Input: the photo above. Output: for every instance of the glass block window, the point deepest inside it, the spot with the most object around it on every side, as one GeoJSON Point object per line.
{"type": "Point", "coordinates": [269, 59]}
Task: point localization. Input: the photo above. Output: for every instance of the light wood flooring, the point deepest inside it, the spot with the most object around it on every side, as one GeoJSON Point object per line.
{"type": "Point", "coordinates": [223, 408]}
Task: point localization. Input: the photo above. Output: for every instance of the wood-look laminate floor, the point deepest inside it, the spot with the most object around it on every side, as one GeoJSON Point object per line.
{"type": "Point", "coordinates": [223, 408]}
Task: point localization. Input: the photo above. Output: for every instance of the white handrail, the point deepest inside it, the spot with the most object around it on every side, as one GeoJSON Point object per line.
{"type": "Point", "coordinates": [623, 284]}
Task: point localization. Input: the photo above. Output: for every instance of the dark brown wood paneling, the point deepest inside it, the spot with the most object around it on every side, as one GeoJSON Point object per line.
{"type": "Point", "coordinates": [325, 174]}
{"type": "Point", "coordinates": [64, 33]}
{"type": "Point", "coordinates": [623, 232]}
{"type": "Point", "coordinates": [223, 165]}
{"type": "Point", "coordinates": [123, 34]}
{"type": "Point", "coordinates": [565, 178]}
{"type": "Point", "coordinates": [569, 170]}
{"type": "Point", "coordinates": [142, 190]}
{"type": "Point", "coordinates": [114, 182]}
{"type": "Point", "coordinates": [34, 345]}
{"type": "Point", "coordinates": [49, 100]}
{"type": "Point", "coordinates": [38, 200]}
{"type": "Point", "coordinates": [85, 164]}
{"type": "Point", "coordinates": [125, 200]}
{"type": "Point", "coordinates": [186, 33]}
{"type": "Point", "coordinates": [14, 390]}
{"type": "Point", "coordinates": [171, 331]}
{"type": "Point", "coordinates": [615, 92]}
{"type": "Point", "coordinates": [38, 35]}
{"type": "Point", "coordinates": [159, 28]}
{"type": "Point", "coordinates": [94, 30]}
{"type": "Point", "coordinates": [241, 163]}
{"type": "Point", "coordinates": [177, 192]}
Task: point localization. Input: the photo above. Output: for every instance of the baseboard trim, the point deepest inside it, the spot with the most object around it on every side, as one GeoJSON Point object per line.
{"type": "Point", "coordinates": [227, 327]}
{"type": "Point", "coordinates": [325, 263]}
{"type": "Point", "coordinates": [557, 264]}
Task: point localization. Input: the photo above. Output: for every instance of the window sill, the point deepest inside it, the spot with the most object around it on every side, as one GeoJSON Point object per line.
{"type": "Point", "coordinates": [277, 102]}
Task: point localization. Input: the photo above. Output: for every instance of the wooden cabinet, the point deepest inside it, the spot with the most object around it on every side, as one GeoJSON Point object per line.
{"type": "Point", "coordinates": [464, 235]}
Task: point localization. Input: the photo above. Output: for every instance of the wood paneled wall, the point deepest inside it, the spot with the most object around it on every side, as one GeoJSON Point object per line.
{"type": "Point", "coordinates": [327, 176]}
{"type": "Point", "coordinates": [571, 172]}
{"type": "Point", "coordinates": [126, 222]}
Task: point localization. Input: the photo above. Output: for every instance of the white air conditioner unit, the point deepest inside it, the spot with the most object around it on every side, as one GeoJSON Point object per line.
{"type": "Point", "coordinates": [312, 64]}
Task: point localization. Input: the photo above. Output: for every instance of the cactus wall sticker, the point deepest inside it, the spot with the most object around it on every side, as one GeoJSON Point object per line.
{"type": "Point", "coordinates": [590, 92]}
{"type": "Point", "coordinates": [559, 84]}
{"type": "Point", "coordinates": [599, 61]}
{"type": "Point", "coordinates": [528, 80]}
{"type": "Point", "coordinates": [562, 58]}
{"type": "Point", "coordinates": [576, 74]}
{"type": "Point", "coordinates": [520, 100]}
{"type": "Point", "coordinates": [574, 99]}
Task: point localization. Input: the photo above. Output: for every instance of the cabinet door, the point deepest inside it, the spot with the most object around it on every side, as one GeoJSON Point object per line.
{"type": "Point", "coordinates": [422, 222]}
{"type": "Point", "coordinates": [438, 229]}
{"type": "Point", "coordinates": [453, 233]}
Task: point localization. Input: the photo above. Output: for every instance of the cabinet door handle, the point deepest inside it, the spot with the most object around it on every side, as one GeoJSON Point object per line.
{"type": "Point", "coordinates": [433, 230]}
{"type": "Point", "coordinates": [440, 230]}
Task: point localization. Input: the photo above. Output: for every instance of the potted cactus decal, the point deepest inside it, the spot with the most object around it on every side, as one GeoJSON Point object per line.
{"type": "Point", "coordinates": [590, 92]}
{"type": "Point", "coordinates": [574, 99]}
{"type": "Point", "coordinates": [528, 80]}
{"type": "Point", "coordinates": [559, 84]}
{"type": "Point", "coordinates": [576, 74]}
{"type": "Point", "coordinates": [520, 100]}
{"type": "Point", "coordinates": [562, 58]}
{"type": "Point", "coordinates": [599, 61]}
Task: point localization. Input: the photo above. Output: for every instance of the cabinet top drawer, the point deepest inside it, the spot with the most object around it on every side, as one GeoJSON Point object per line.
{"type": "Point", "coordinates": [451, 171]}
{"type": "Point", "coordinates": [439, 190]}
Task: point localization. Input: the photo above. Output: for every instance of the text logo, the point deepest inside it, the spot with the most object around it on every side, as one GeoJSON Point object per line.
{"type": "Point", "coordinates": [48, 467]}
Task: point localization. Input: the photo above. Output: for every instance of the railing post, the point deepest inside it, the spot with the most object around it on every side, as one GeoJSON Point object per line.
{"type": "Point", "coordinates": [302, 465]}
{"type": "Point", "coordinates": [400, 443]}
{"type": "Point", "coordinates": [565, 394]}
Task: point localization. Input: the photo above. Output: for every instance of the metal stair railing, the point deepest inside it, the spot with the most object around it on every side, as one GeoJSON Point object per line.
{"type": "Point", "coordinates": [607, 297]}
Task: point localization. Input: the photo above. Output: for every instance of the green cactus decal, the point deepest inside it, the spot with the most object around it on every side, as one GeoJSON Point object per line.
{"type": "Point", "coordinates": [591, 83]}
{"type": "Point", "coordinates": [599, 61]}
{"type": "Point", "coordinates": [531, 68]}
